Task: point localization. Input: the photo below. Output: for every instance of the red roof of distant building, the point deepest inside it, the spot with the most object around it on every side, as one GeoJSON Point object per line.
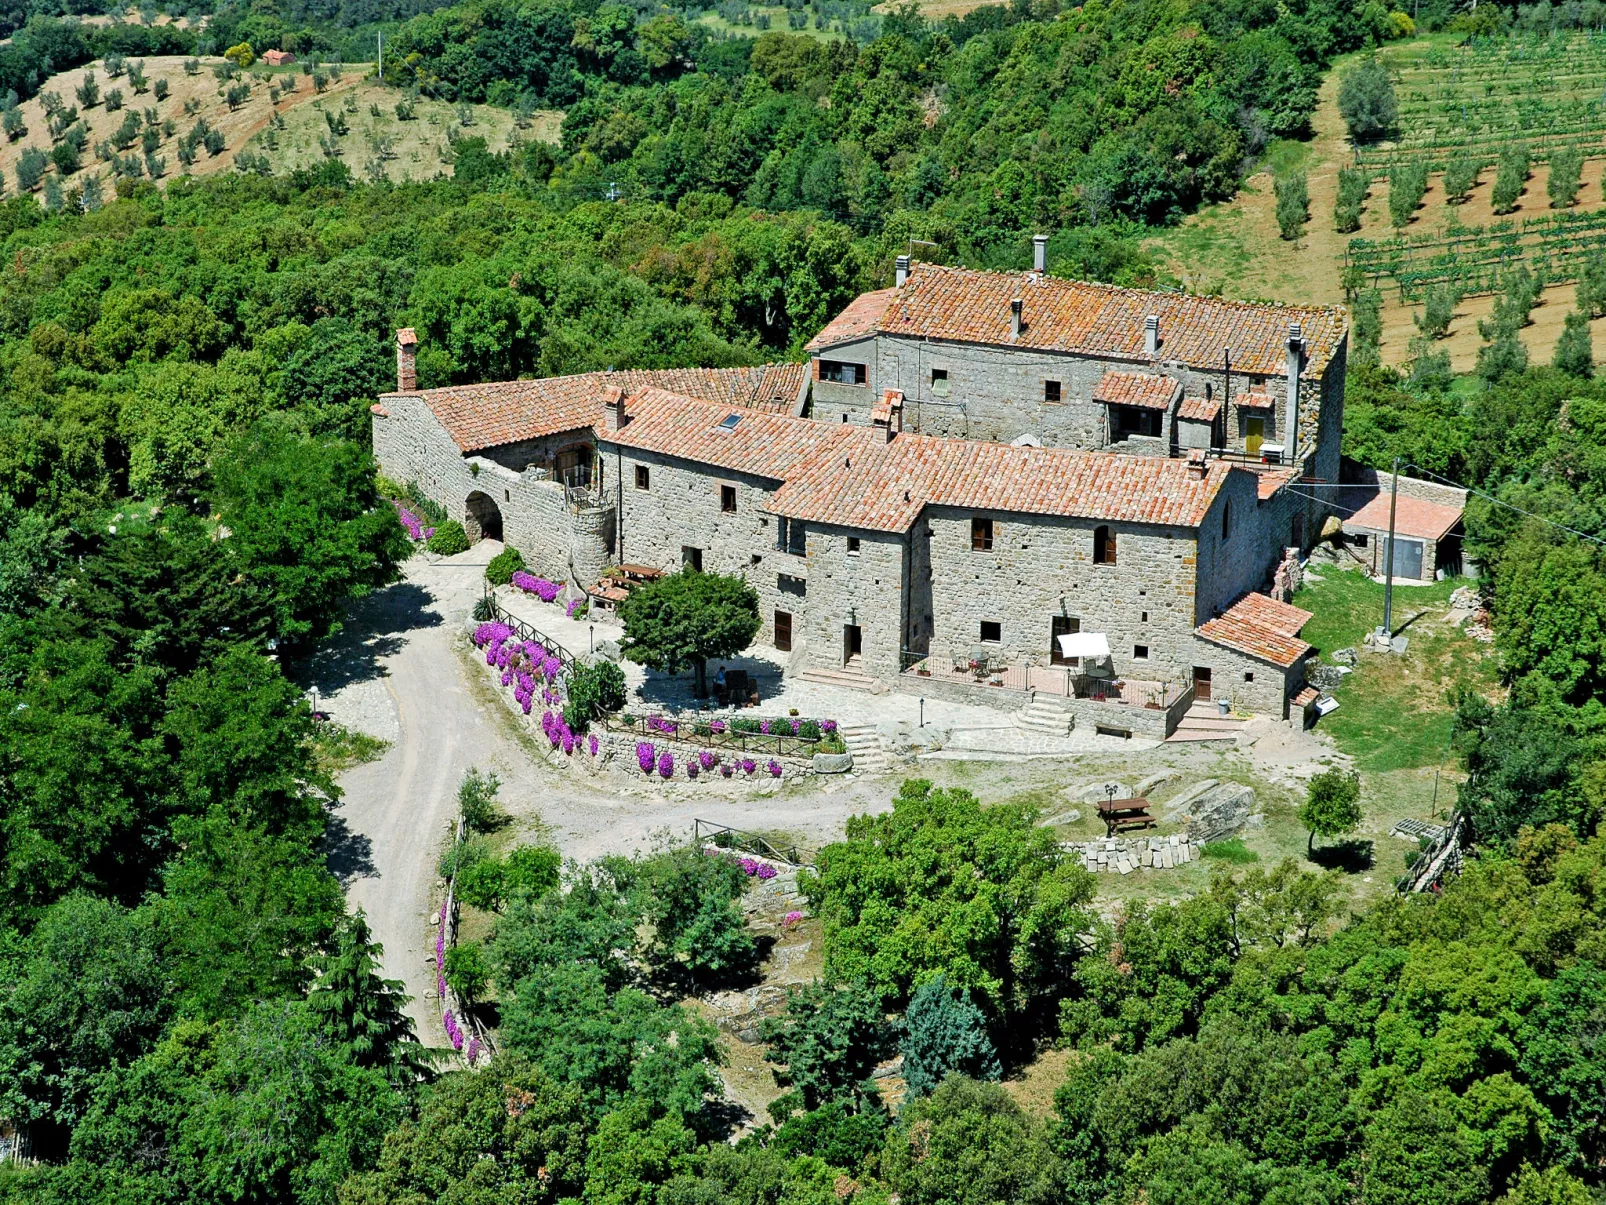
{"type": "Point", "coordinates": [1412, 517]}
{"type": "Point", "coordinates": [1261, 626]}
{"type": "Point", "coordinates": [1093, 319]}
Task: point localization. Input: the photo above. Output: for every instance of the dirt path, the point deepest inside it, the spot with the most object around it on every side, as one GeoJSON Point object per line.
{"type": "Point", "coordinates": [399, 672]}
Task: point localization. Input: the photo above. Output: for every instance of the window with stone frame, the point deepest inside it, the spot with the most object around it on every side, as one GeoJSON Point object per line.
{"type": "Point", "coordinates": [981, 534]}
{"type": "Point", "coordinates": [992, 631]}
{"type": "Point", "coordinates": [939, 382]}
{"type": "Point", "coordinates": [1051, 391]}
{"type": "Point", "coordinates": [643, 478]}
{"type": "Point", "coordinates": [1104, 545]}
{"type": "Point", "coordinates": [727, 499]}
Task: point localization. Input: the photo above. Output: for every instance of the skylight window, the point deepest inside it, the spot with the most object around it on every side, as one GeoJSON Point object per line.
{"type": "Point", "coordinates": [730, 422]}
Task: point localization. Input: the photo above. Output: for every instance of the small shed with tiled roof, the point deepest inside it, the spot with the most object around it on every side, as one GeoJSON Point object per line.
{"type": "Point", "coordinates": [1256, 656]}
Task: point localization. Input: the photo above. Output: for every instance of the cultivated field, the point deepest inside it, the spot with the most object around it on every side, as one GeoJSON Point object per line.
{"type": "Point", "coordinates": [1235, 249]}
{"type": "Point", "coordinates": [276, 115]}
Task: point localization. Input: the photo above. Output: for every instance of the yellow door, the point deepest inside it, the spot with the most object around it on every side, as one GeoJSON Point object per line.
{"type": "Point", "coordinates": [1255, 435]}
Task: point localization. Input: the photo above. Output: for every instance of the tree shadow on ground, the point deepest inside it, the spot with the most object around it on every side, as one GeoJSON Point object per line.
{"type": "Point", "coordinates": [349, 855]}
{"type": "Point", "coordinates": [375, 628]}
{"type": "Point", "coordinates": [678, 692]}
{"type": "Point", "coordinates": [1351, 857]}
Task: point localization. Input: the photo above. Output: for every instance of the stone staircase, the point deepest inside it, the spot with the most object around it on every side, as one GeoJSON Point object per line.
{"type": "Point", "coordinates": [864, 742]}
{"type": "Point", "coordinates": [1046, 714]}
{"type": "Point", "coordinates": [850, 677]}
{"type": "Point", "coordinates": [1203, 722]}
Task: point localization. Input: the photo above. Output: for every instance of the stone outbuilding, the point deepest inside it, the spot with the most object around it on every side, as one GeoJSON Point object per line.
{"type": "Point", "coordinates": [1428, 525]}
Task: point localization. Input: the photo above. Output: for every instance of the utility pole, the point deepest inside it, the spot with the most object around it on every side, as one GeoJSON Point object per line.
{"type": "Point", "coordinates": [381, 56]}
{"type": "Point", "coordinates": [1387, 630]}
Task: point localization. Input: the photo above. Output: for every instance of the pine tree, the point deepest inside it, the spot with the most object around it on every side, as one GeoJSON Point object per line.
{"type": "Point", "coordinates": [358, 1008]}
{"type": "Point", "coordinates": [945, 1034]}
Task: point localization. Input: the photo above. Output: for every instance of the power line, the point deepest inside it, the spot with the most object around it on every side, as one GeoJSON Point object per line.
{"type": "Point", "coordinates": [1582, 535]}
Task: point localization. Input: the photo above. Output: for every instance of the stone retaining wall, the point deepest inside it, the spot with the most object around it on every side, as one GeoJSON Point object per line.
{"type": "Point", "coordinates": [1123, 855]}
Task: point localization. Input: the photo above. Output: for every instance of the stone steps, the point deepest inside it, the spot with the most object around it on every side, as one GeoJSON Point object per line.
{"type": "Point", "coordinates": [1203, 722]}
{"type": "Point", "coordinates": [851, 679]}
{"type": "Point", "coordinates": [864, 742]}
{"type": "Point", "coordinates": [1046, 715]}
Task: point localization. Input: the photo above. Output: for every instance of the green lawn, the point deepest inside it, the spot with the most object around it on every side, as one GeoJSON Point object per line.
{"type": "Point", "coordinates": [1394, 712]}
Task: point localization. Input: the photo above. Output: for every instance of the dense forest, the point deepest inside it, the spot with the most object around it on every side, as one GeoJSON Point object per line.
{"type": "Point", "coordinates": [187, 502]}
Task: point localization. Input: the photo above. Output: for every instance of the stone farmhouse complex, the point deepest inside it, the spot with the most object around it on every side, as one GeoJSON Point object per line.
{"type": "Point", "coordinates": [972, 466]}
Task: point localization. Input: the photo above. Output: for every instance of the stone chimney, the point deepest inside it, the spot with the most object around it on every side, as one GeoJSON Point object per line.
{"type": "Point", "coordinates": [1040, 253]}
{"type": "Point", "coordinates": [1296, 357]}
{"type": "Point", "coordinates": [1015, 324]}
{"type": "Point", "coordinates": [1197, 464]}
{"type": "Point", "coordinates": [406, 360]}
{"type": "Point", "coordinates": [1151, 335]}
{"type": "Point", "coordinates": [613, 409]}
{"type": "Point", "coordinates": [903, 270]}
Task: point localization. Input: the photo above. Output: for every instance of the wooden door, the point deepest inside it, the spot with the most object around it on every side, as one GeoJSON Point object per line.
{"type": "Point", "coordinates": [1062, 625]}
{"type": "Point", "coordinates": [1201, 684]}
{"type": "Point", "coordinates": [1254, 435]}
{"type": "Point", "coordinates": [783, 631]}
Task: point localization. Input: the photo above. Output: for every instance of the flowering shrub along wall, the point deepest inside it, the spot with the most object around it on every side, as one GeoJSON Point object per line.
{"type": "Point", "coordinates": [685, 729]}
{"type": "Point", "coordinates": [414, 525]}
{"type": "Point", "coordinates": [449, 1022]}
{"type": "Point", "coordinates": [529, 666]}
{"type": "Point", "coordinates": [544, 590]}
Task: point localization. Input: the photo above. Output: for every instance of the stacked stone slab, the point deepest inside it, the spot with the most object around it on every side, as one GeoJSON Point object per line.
{"type": "Point", "coordinates": [1123, 855]}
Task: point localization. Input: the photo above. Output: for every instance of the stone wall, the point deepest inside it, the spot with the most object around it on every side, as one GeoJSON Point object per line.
{"type": "Point", "coordinates": [1248, 683]}
{"type": "Point", "coordinates": [411, 446]}
{"type": "Point", "coordinates": [1237, 555]}
{"type": "Point", "coordinates": [997, 393]}
{"type": "Point", "coordinates": [1041, 567]}
{"type": "Point", "coordinates": [864, 588]}
{"type": "Point", "coordinates": [680, 509]}
{"type": "Point", "coordinates": [1123, 855]}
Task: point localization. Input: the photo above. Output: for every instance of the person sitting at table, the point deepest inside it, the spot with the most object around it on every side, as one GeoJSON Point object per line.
{"type": "Point", "coordinates": [719, 678]}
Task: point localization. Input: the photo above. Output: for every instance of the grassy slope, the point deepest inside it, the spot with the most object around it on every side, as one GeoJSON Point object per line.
{"type": "Point", "coordinates": [420, 146]}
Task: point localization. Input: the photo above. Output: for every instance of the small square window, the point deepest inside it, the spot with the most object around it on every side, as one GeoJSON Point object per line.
{"type": "Point", "coordinates": [1140, 652]}
{"type": "Point", "coordinates": [1249, 677]}
{"type": "Point", "coordinates": [727, 499]}
{"type": "Point", "coordinates": [1051, 391]}
{"type": "Point", "coordinates": [992, 632]}
{"type": "Point", "coordinates": [853, 545]}
{"type": "Point", "coordinates": [643, 478]}
{"type": "Point", "coordinates": [939, 382]}
{"type": "Point", "coordinates": [981, 535]}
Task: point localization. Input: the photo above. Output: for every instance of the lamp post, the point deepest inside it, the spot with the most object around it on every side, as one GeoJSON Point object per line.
{"type": "Point", "coordinates": [591, 629]}
{"type": "Point", "coordinates": [922, 711]}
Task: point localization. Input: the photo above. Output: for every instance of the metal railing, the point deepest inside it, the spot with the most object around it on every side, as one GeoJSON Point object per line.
{"type": "Point", "coordinates": [724, 837]}
{"type": "Point", "coordinates": [528, 631]}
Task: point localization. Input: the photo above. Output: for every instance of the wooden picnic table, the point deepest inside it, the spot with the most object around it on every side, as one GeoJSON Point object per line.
{"type": "Point", "coordinates": [1121, 814]}
{"type": "Point", "coordinates": [643, 573]}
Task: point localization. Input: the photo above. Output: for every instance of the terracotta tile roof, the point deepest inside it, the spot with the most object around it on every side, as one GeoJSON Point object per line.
{"type": "Point", "coordinates": [1273, 481]}
{"type": "Point", "coordinates": [891, 400]}
{"type": "Point", "coordinates": [504, 412]}
{"type": "Point", "coordinates": [1199, 409]}
{"type": "Point", "coordinates": [1412, 517]}
{"type": "Point", "coordinates": [1144, 389]}
{"type": "Point", "coordinates": [1305, 697]}
{"type": "Point", "coordinates": [766, 445]}
{"type": "Point", "coordinates": [1092, 319]}
{"type": "Point", "coordinates": [1254, 399]}
{"type": "Point", "coordinates": [862, 317]}
{"type": "Point", "coordinates": [882, 486]}
{"type": "Point", "coordinates": [376, 408]}
{"type": "Point", "coordinates": [1261, 626]}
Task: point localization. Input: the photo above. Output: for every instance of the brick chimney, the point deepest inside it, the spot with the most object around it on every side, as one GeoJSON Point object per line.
{"type": "Point", "coordinates": [1040, 253]}
{"type": "Point", "coordinates": [1015, 307]}
{"type": "Point", "coordinates": [613, 409]}
{"type": "Point", "coordinates": [406, 360]}
{"type": "Point", "coordinates": [886, 417]}
{"type": "Point", "coordinates": [903, 270]}
{"type": "Point", "coordinates": [1151, 335]}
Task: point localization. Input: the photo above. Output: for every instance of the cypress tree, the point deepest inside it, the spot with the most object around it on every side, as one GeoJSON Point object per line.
{"type": "Point", "coordinates": [358, 1008]}
{"type": "Point", "coordinates": [945, 1034]}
